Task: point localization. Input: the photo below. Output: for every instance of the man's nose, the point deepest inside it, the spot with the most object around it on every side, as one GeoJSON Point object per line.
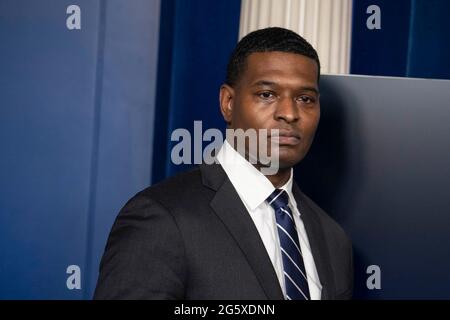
{"type": "Point", "coordinates": [287, 110]}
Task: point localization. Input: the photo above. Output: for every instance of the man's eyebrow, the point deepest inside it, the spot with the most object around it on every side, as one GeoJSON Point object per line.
{"type": "Point", "coordinates": [264, 83]}
{"type": "Point", "coordinates": [261, 83]}
{"type": "Point", "coordinates": [307, 88]}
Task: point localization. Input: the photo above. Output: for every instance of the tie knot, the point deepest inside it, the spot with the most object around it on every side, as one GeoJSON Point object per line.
{"type": "Point", "coordinates": [278, 199]}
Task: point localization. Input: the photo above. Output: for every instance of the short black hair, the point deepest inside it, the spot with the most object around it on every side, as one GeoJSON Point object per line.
{"type": "Point", "coordinates": [267, 40]}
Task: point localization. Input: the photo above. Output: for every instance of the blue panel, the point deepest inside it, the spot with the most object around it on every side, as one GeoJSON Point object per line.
{"type": "Point", "coordinates": [76, 123]}
{"type": "Point", "coordinates": [204, 34]}
{"type": "Point", "coordinates": [380, 166]}
{"type": "Point", "coordinates": [384, 51]}
{"type": "Point", "coordinates": [47, 89]}
{"type": "Point", "coordinates": [126, 117]}
{"type": "Point", "coordinates": [429, 50]}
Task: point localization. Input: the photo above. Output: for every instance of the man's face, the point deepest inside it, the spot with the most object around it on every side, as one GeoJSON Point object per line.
{"type": "Point", "coordinates": [277, 90]}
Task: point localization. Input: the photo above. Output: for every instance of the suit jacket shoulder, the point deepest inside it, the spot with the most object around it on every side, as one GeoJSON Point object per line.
{"type": "Point", "coordinates": [187, 237]}
{"type": "Point", "coordinates": [179, 191]}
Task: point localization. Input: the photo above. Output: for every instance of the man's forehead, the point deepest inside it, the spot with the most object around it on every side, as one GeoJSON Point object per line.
{"type": "Point", "coordinates": [280, 68]}
{"type": "Point", "coordinates": [267, 64]}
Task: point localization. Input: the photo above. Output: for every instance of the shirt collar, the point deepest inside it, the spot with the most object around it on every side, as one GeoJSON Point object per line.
{"type": "Point", "coordinates": [251, 185]}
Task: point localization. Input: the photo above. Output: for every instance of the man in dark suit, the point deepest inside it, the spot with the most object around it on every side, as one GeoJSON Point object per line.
{"type": "Point", "coordinates": [226, 230]}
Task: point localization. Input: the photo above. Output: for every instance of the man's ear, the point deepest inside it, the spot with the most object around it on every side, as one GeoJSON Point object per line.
{"type": "Point", "coordinates": [226, 102]}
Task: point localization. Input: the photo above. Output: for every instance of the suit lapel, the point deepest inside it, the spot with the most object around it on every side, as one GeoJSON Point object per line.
{"type": "Point", "coordinates": [317, 242]}
{"type": "Point", "coordinates": [230, 209]}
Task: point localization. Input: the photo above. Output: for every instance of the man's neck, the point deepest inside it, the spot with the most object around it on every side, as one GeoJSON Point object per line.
{"type": "Point", "coordinates": [280, 178]}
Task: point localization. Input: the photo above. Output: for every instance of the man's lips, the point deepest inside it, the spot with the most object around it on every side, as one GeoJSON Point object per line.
{"type": "Point", "coordinates": [286, 137]}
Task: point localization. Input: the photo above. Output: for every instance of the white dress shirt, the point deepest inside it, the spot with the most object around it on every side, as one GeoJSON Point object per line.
{"type": "Point", "coordinates": [254, 188]}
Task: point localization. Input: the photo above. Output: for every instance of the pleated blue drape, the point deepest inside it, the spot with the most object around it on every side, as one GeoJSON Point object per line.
{"type": "Point", "coordinates": [413, 40]}
{"type": "Point", "coordinates": [196, 40]}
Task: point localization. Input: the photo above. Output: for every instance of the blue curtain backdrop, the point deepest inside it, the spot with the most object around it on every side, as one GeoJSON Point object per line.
{"type": "Point", "coordinates": [196, 40]}
{"type": "Point", "coordinates": [413, 40]}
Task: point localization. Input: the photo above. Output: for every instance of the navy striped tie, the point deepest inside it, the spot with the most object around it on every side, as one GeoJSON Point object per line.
{"type": "Point", "coordinates": [293, 267]}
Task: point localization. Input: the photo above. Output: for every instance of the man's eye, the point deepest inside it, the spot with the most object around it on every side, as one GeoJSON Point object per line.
{"type": "Point", "coordinates": [306, 99]}
{"type": "Point", "coordinates": [266, 95]}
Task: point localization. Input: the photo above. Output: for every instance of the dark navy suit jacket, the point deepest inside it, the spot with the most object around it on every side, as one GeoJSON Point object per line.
{"type": "Point", "coordinates": [190, 237]}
